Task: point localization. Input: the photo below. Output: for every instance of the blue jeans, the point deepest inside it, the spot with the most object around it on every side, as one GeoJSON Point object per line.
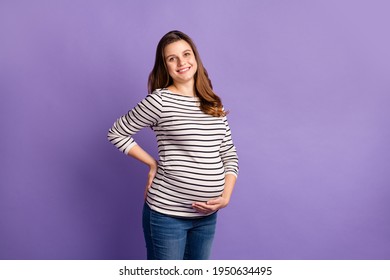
{"type": "Point", "coordinates": [170, 238]}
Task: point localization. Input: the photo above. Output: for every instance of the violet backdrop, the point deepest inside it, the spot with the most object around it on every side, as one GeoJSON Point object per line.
{"type": "Point", "coordinates": [308, 89]}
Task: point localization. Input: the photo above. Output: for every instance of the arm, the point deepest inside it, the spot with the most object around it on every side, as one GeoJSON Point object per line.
{"type": "Point", "coordinates": [146, 113]}
{"type": "Point", "coordinates": [140, 154]}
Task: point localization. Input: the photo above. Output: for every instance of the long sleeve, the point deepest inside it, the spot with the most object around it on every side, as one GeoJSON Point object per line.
{"type": "Point", "coordinates": [228, 152]}
{"type": "Point", "coordinates": [195, 151]}
{"type": "Point", "coordinates": [145, 114]}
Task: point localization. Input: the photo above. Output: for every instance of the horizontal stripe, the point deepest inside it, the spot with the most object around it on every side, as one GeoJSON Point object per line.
{"type": "Point", "coordinates": [195, 150]}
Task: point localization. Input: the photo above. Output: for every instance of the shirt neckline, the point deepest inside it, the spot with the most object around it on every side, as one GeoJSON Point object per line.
{"type": "Point", "coordinates": [181, 95]}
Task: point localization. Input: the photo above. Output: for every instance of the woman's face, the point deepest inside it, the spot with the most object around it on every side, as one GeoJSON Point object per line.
{"type": "Point", "coordinates": [180, 60]}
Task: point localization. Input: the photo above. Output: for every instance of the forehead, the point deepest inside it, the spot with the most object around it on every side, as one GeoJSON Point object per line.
{"type": "Point", "coordinates": [177, 47]}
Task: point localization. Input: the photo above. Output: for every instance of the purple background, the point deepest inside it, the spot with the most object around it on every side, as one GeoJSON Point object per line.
{"type": "Point", "coordinates": [308, 89]}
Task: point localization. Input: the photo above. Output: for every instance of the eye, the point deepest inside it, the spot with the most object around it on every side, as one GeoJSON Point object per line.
{"type": "Point", "coordinates": [187, 54]}
{"type": "Point", "coordinates": [171, 59]}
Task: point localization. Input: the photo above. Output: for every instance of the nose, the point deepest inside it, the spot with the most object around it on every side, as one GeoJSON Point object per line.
{"type": "Point", "coordinates": [181, 62]}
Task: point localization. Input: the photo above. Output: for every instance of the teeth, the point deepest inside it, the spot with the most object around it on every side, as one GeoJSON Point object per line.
{"type": "Point", "coordinates": [183, 70]}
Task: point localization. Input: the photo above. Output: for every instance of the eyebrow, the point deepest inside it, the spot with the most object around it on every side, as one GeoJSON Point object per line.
{"type": "Point", "coordinates": [188, 50]}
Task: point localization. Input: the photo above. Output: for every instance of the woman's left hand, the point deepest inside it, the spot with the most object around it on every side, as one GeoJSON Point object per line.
{"type": "Point", "coordinates": [211, 205]}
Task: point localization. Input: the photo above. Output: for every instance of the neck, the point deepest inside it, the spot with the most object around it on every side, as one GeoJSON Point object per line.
{"type": "Point", "coordinates": [187, 89]}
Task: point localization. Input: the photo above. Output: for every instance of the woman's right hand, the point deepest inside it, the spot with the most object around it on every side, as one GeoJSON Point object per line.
{"type": "Point", "coordinates": [152, 173]}
{"type": "Point", "coordinates": [138, 153]}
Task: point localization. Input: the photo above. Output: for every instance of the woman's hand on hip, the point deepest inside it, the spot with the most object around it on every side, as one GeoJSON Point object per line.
{"type": "Point", "coordinates": [152, 173]}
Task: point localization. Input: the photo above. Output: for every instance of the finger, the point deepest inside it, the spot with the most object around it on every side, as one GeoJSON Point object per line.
{"type": "Point", "coordinates": [199, 208]}
{"type": "Point", "coordinates": [150, 181]}
{"type": "Point", "coordinates": [147, 187]}
{"type": "Point", "coordinates": [203, 207]}
{"type": "Point", "coordinates": [146, 192]}
{"type": "Point", "coordinates": [200, 205]}
{"type": "Point", "coordinates": [204, 211]}
{"type": "Point", "coordinates": [214, 201]}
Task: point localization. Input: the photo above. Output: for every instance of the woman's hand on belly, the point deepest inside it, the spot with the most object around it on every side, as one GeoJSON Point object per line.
{"type": "Point", "coordinates": [211, 205]}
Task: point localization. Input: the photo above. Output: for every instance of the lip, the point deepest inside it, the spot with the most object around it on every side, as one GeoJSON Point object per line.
{"type": "Point", "coordinates": [183, 70]}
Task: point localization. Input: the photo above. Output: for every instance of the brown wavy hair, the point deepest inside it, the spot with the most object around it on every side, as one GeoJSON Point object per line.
{"type": "Point", "coordinates": [210, 103]}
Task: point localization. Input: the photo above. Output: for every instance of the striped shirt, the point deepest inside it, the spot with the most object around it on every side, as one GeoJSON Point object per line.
{"type": "Point", "coordinates": [196, 150]}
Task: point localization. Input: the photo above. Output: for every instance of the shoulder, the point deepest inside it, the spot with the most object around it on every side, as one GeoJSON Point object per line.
{"type": "Point", "coordinates": [153, 99]}
{"type": "Point", "coordinates": [156, 94]}
{"type": "Point", "coordinates": [164, 94]}
{"type": "Point", "coordinates": [160, 91]}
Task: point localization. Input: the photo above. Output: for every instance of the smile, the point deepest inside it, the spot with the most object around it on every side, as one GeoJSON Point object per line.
{"type": "Point", "coordinates": [183, 70]}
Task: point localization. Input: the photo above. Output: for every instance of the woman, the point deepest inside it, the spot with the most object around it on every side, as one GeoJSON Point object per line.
{"type": "Point", "coordinates": [198, 163]}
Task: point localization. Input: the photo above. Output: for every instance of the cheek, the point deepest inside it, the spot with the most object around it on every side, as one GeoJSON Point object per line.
{"type": "Point", "coordinates": [171, 69]}
{"type": "Point", "coordinates": [195, 65]}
